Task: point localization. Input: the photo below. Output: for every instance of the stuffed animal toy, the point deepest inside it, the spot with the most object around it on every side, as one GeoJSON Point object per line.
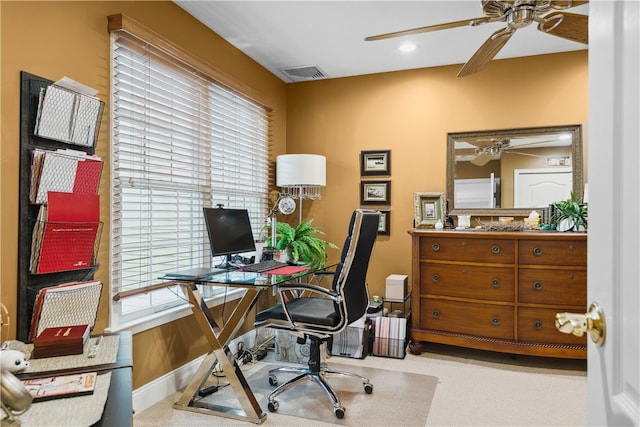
{"type": "Point", "coordinates": [13, 360]}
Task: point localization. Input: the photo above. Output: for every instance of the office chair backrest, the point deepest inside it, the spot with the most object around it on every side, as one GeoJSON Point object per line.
{"type": "Point", "coordinates": [351, 272]}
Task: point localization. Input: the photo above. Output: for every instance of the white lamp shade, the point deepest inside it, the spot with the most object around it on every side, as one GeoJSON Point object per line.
{"type": "Point", "coordinates": [307, 170]}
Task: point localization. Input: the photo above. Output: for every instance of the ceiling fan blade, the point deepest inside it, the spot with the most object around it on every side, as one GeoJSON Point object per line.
{"type": "Point", "coordinates": [486, 52]}
{"type": "Point", "coordinates": [566, 4]}
{"type": "Point", "coordinates": [522, 154]}
{"type": "Point", "coordinates": [481, 159]}
{"type": "Point", "coordinates": [570, 26]}
{"type": "Point", "coordinates": [472, 22]}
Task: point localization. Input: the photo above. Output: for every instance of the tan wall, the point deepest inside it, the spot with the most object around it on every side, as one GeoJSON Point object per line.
{"type": "Point", "coordinates": [408, 112]}
{"type": "Point", "coordinates": [56, 39]}
{"type": "Point", "coordinates": [411, 112]}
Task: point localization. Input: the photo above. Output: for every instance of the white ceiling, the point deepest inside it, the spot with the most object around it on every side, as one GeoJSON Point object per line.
{"type": "Point", "coordinates": [330, 34]}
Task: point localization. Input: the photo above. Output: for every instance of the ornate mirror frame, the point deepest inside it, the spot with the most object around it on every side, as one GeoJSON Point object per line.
{"type": "Point", "coordinates": [576, 163]}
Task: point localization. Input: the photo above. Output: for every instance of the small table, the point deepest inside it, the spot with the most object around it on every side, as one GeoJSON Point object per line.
{"type": "Point", "coordinates": [118, 410]}
{"type": "Point", "coordinates": [392, 301]}
{"type": "Point", "coordinates": [219, 337]}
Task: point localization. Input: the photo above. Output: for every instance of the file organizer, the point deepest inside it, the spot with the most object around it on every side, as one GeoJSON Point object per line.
{"type": "Point", "coordinates": [69, 304]}
{"type": "Point", "coordinates": [66, 239]}
{"type": "Point", "coordinates": [63, 170]}
{"type": "Point", "coordinates": [67, 116]}
{"type": "Point", "coordinates": [51, 121]}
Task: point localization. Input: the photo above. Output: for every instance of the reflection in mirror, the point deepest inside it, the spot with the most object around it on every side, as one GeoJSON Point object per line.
{"type": "Point", "coordinates": [512, 171]}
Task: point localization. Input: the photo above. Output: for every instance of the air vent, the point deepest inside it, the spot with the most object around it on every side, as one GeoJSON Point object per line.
{"type": "Point", "coordinates": [303, 73]}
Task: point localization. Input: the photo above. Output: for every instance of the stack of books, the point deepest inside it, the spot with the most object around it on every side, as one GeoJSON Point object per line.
{"type": "Point", "coordinates": [61, 341]}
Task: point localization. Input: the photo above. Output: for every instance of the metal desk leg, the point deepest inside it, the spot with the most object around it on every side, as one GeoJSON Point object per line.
{"type": "Point", "coordinates": [219, 339]}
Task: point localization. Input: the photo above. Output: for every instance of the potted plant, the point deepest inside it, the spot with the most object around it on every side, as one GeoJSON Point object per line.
{"type": "Point", "coordinates": [570, 214]}
{"type": "Point", "coordinates": [303, 244]}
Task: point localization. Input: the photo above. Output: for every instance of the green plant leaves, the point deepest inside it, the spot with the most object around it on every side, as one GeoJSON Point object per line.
{"type": "Point", "coordinates": [303, 244]}
{"type": "Point", "coordinates": [573, 210]}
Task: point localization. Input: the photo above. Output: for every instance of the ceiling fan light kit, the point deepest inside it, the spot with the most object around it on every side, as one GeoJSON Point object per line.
{"type": "Point", "coordinates": [516, 14]}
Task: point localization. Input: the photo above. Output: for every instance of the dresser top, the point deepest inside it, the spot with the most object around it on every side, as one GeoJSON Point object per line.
{"type": "Point", "coordinates": [476, 233]}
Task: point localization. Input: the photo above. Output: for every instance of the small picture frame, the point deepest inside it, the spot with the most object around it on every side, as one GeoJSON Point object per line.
{"type": "Point", "coordinates": [428, 208]}
{"type": "Point", "coordinates": [375, 162]}
{"type": "Point", "coordinates": [384, 227]}
{"type": "Point", "coordinates": [375, 192]}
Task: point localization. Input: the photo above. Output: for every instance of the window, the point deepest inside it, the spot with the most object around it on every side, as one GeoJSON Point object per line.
{"type": "Point", "coordinates": [180, 141]}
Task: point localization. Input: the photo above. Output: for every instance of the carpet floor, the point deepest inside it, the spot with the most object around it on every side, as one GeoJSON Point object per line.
{"type": "Point", "coordinates": [474, 388]}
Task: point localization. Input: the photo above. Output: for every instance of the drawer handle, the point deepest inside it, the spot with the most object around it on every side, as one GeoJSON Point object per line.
{"type": "Point", "coordinates": [436, 314]}
{"type": "Point", "coordinates": [495, 283]}
{"type": "Point", "coordinates": [537, 324]}
{"type": "Point", "coordinates": [495, 321]}
{"type": "Point", "coordinates": [537, 286]}
{"type": "Point", "coordinates": [537, 251]}
{"type": "Point", "coordinates": [495, 249]}
{"type": "Point", "coordinates": [436, 247]}
{"type": "Point", "coordinates": [436, 278]}
{"type": "Point", "coordinates": [464, 244]}
{"type": "Point", "coordinates": [571, 247]}
{"type": "Point", "coordinates": [570, 276]}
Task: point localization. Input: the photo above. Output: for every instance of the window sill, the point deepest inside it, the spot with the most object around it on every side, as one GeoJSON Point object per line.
{"type": "Point", "coordinates": [171, 315]}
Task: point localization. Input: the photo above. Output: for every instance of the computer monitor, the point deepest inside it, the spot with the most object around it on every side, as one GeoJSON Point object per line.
{"type": "Point", "coordinates": [229, 233]}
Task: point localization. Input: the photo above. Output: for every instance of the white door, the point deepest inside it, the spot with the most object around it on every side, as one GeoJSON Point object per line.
{"type": "Point", "coordinates": [541, 187]}
{"type": "Point", "coordinates": [613, 378]}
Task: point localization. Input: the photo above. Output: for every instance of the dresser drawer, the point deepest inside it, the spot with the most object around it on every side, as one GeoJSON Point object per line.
{"type": "Point", "coordinates": [484, 320]}
{"type": "Point", "coordinates": [564, 252]}
{"type": "Point", "coordinates": [468, 250]}
{"type": "Point", "coordinates": [468, 281]}
{"type": "Point", "coordinates": [538, 325]}
{"type": "Point", "coordinates": [563, 287]}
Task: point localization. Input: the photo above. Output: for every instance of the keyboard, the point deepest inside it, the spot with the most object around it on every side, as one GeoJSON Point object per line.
{"type": "Point", "coordinates": [260, 267]}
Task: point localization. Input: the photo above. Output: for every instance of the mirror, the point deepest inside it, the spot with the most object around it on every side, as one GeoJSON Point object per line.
{"type": "Point", "coordinates": [512, 171]}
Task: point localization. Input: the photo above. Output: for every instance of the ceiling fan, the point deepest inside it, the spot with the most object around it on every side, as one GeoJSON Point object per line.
{"type": "Point", "coordinates": [486, 153]}
{"type": "Point", "coordinates": [517, 14]}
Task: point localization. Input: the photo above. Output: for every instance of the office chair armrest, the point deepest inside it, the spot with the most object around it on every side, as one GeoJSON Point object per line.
{"type": "Point", "coordinates": [307, 287]}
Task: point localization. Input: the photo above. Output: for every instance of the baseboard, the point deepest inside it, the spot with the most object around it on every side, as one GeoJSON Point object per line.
{"type": "Point", "coordinates": [166, 385]}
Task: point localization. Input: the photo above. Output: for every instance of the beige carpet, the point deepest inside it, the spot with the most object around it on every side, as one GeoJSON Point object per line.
{"type": "Point", "coordinates": [407, 397]}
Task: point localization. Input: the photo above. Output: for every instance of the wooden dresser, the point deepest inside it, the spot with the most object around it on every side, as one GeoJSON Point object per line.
{"type": "Point", "coordinates": [498, 291]}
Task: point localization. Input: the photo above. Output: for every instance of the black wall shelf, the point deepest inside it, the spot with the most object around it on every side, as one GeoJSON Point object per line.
{"type": "Point", "coordinates": [30, 284]}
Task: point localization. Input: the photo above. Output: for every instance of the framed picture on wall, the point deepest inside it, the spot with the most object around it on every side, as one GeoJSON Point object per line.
{"type": "Point", "coordinates": [385, 223]}
{"type": "Point", "coordinates": [375, 192]}
{"type": "Point", "coordinates": [428, 208]}
{"type": "Point", "coordinates": [376, 162]}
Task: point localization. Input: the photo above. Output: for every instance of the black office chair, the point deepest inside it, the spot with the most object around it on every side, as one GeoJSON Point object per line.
{"type": "Point", "coordinates": [318, 318]}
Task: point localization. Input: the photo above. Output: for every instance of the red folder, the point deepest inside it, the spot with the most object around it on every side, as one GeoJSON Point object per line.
{"type": "Point", "coordinates": [69, 233]}
{"type": "Point", "coordinates": [87, 176]}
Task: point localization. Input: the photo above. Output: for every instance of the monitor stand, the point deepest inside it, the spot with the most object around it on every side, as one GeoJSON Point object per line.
{"type": "Point", "coordinates": [226, 264]}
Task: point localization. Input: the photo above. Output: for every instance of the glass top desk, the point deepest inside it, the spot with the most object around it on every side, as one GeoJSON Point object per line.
{"type": "Point", "coordinates": [219, 336]}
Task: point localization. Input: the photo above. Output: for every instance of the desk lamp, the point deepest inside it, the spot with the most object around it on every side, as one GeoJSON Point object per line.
{"type": "Point", "coordinates": [300, 176]}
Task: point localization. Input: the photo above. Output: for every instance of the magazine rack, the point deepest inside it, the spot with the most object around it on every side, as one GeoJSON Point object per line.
{"type": "Point", "coordinates": [29, 285]}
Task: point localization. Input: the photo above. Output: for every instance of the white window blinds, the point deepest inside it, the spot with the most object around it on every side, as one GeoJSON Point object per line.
{"type": "Point", "coordinates": [180, 142]}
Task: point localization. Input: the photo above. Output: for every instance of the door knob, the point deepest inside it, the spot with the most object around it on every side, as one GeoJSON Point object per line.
{"type": "Point", "coordinates": [577, 324]}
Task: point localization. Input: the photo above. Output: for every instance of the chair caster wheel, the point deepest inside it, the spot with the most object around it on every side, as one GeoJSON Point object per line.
{"type": "Point", "coordinates": [368, 388]}
{"type": "Point", "coordinates": [273, 380]}
{"type": "Point", "coordinates": [273, 406]}
{"type": "Point", "coordinates": [339, 412]}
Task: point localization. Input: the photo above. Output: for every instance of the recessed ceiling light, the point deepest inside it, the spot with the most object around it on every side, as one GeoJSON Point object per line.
{"type": "Point", "coordinates": [407, 47]}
